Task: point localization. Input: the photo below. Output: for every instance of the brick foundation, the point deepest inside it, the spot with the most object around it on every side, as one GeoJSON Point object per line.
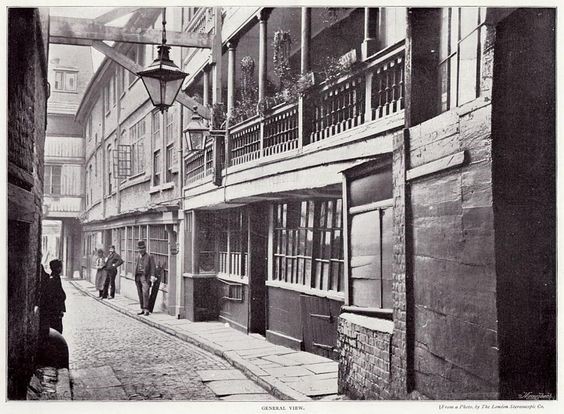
{"type": "Point", "coordinates": [364, 363]}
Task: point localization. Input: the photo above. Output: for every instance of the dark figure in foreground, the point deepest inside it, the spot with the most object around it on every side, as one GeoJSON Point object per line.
{"type": "Point", "coordinates": [52, 302]}
{"type": "Point", "coordinates": [113, 261]}
{"type": "Point", "coordinates": [144, 276]}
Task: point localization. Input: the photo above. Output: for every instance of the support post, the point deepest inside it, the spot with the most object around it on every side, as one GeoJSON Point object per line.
{"type": "Point", "coordinates": [231, 55]}
{"type": "Point", "coordinates": [371, 28]}
{"type": "Point", "coordinates": [306, 39]}
{"type": "Point", "coordinates": [263, 19]}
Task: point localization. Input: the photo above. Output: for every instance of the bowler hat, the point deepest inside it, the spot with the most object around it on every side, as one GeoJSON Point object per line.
{"type": "Point", "coordinates": [141, 244]}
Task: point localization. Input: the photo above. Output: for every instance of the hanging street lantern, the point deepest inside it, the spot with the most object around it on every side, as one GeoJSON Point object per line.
{"type": "Point", "coordinates": [162, 78]}
{"type": "Point", "coordinates": [196, 133]}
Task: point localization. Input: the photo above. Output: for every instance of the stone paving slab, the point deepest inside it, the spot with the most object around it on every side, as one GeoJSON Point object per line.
{"type": "Point", "coordinates": [282, 360]}
{"type": "Point", "coordinates": [314, 387]}
{"type": "Point", "coordinates": [241, 345]}
{"type": "Point", "coordinates": [307, 358]}
{"type": "Point", "coordinates": [261, 352]}
{"type": "Point", "coordinates": [249, 397]}
{"type": "Point", "coordinates": [220, 374]}
{"type": "Point", "coordinates": [323, 368]}
{"type": "Point", "coordinates": [230, 387]}
{"type": "Point", "coordinates": [288, 372]}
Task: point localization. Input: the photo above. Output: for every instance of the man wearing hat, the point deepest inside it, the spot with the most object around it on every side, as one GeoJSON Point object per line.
{"type": "Point", "coordinates": [144, 275]}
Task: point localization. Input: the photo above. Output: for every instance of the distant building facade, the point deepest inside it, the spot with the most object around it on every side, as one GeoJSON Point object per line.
{"type": "Point", "coordinates": [366, 200]}
{"type": "Point", "coordinates": [70, 70]}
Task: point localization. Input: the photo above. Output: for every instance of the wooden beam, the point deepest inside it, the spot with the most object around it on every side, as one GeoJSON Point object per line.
{"type": "Point", "coordinates": [56, 40]}
{"type": "Point", "coordinates": [134, 67]}
{"type": "Point", "coordinates": [115, 14]}
{"type": "Point", "coordinates": [432, 167]}
{"type": "Point", "coordinates": [79, 28]}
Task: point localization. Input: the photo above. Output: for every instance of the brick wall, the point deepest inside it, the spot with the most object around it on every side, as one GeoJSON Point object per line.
{"type": "Point", "coordinates": [27, 96]}
{"type": "Point", "coordinates": [364, 363]}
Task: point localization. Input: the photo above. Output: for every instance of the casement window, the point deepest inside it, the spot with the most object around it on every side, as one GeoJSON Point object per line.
{"type": "Point", "coordinates": [65, 81]}
{"type": "Point", "coordinates": [137, 139]}
{"type": "Point", "coordinates": [157, 145]}
{"type": "Point", "coordinates": [233, 235]}
{"type": "Point", "coordinates": [461, 32]}
{"type": "Point", "coordinates": [52, 179]}
{"type": "Point", "coordinates": [308, 245]}
{"type": "Point", "coordinates": [109, 168]}
{"type": "Point", "coordinates": [170, 135]}
{"type": "Point", "coordinates": [134, 234]}
{"type": "Point", "coordinates": [157, 167]}
{"type": "Point", "coordinates": [370, 215]}
{"type": "Point", "coordinates": [158, 248]}
{"type": "Point", "coordinates": [137, 54]}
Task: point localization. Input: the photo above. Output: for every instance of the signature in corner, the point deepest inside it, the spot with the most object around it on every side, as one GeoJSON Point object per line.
{"type": "Point", "coordinates": [535, 396]}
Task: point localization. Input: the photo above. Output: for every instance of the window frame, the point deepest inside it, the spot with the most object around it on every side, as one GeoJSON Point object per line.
{"type": "Point", "coordinates": [65, 76]}
{"type": "Point", "coordinates": [48, 180]}
{"type": "Point", "coordinates": [453, 53]}
{"type": "Point", "coordinates": [312, 228]}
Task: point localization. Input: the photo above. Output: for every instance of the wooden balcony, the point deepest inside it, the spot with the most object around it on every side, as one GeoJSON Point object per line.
{"type": "Point", "coordinates": [374, 91]}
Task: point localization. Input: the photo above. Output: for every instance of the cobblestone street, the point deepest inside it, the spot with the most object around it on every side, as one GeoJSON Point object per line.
{"type": "Point", "coordinates": [114, 357]}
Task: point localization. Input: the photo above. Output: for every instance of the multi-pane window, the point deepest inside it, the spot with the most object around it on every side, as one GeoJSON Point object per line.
{"type": "Point", "coordinates": [370, 239]}
{"type": "Point", "coordinates": [52, 179]}
{"type": "Point", "coordinates": [157, 167]}
{"type": "Point", "coordinates": [157, 144]}
{"type": "Point", "coordinates": [109, 169]}
{"type": "Point", "coordinates": [137, 139]}
{"type": "Point", "coordinates": [308, 245]}
{"type": "Point", "coordinates": [232, 244]}
{"type": "Point", "coordinates": [65, 81]}
{"type": "Point", "coordinates": [170, 135]}
{"type": "Point", "coordinates": [134, 234]}
{"type": "Point", "coordinates": [158, 247]}
{"type": "Point", "coordinates": [137, 54]}
{"type": "Point", "coordinates": [461, 32]}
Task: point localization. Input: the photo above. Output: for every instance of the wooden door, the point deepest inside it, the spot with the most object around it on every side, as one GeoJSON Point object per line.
{"type": "Point", "coordinates": [319, 324]}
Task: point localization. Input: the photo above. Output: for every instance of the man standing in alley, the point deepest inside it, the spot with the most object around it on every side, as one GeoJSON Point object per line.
{"type": "Point", "coordinates": [52, 300]}
{"type": "Point", "coordinates": [113, 261]}
{"type": "Point", "coordinates": [144, 276]}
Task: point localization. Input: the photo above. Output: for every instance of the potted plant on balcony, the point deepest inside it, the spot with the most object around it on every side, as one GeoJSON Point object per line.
{"type": "Point", "coordinates": [246, 105]}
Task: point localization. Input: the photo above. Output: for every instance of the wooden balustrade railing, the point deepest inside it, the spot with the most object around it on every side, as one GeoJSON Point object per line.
{"type": "Point", "coordinates": [337, 108]}
{"type": "Point", "coordinates": [245, 142]}
{"type": "Point", "coordinates": [387, 87]}
{"type": "Point", "coordinates": [372, 92]}
{"type": "Point", "coordinates": [281, 130]}
{"type": "Point", "coordinates": [198, 165]}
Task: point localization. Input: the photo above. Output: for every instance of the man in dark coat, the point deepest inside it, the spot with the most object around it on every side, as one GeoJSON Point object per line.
{"type": "Point", "coordinates": [113, 261]}
{"type": "Point", "coordinates": [52, 300]}
{"type": "Point", "coordinates": [144, 276]}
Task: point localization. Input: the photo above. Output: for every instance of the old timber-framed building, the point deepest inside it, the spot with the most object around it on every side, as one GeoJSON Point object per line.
{"type": "Point", "coordinates": [367, 199]}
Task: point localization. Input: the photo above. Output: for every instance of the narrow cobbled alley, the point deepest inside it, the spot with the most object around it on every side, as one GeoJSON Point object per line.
{"type": "Point", "coordinates": [114, 357]}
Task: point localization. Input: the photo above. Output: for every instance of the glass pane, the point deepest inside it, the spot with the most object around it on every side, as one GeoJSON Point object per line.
{"type": "Point", "coordinates": [444, 49]}
{"type": "Point", "coordinates": [374, 187]}
{"type": "Point", "coordinates": [468, 20]}
{"type": "Point", "coordinates": [443, 86]}
{"type": "Point", "coordinates": [454, 20]}
{"type": "Point", "coordinates": [453, 62]}
{"type": "Point", "coordinates": [468, 62]}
